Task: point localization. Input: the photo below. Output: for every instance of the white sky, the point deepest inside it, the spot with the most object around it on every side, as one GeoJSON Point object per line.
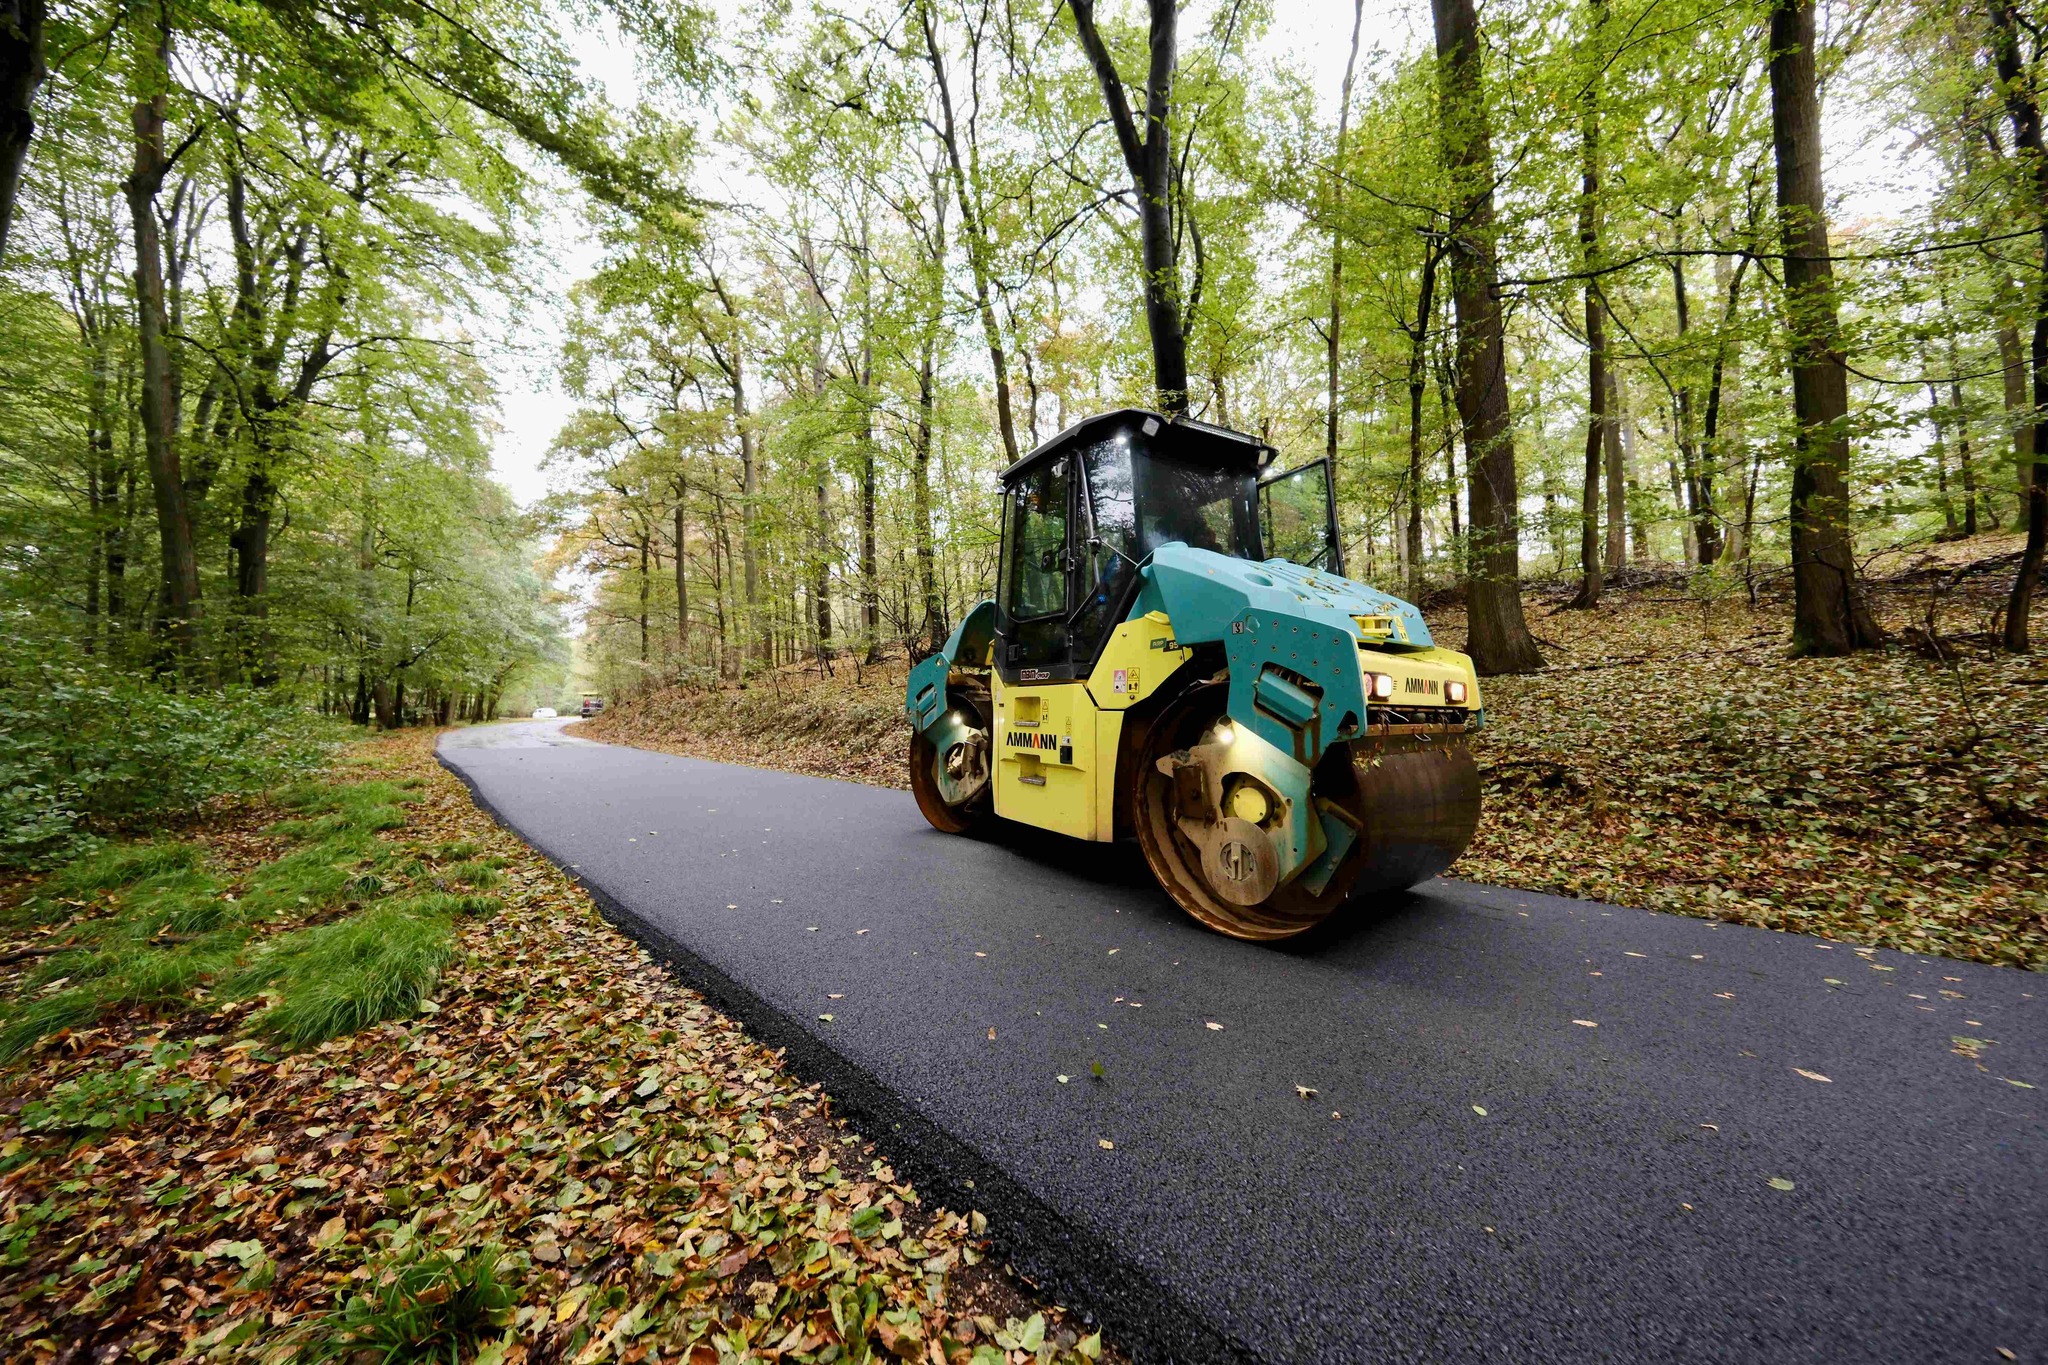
{"type": "Point", "coordinates": [1865, 169]}
{"type": "Point", "coordinates": [532, 406]}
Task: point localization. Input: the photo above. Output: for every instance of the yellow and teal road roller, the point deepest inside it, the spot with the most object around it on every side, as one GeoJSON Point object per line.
{"type": "Point", "coordinates": [1174, 653]}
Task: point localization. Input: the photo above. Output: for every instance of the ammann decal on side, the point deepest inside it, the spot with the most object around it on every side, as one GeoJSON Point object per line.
{"type": "Point", "coordinates": [1019, 739]}
{"type": "Point", "coordinates": [1428, 686]}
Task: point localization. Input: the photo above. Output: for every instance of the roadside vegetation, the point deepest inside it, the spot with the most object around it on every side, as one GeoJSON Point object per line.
{"type": "Point", "coordinates": [1673, 755]}
{"type": "Point", "coordinates": [349, 1073]}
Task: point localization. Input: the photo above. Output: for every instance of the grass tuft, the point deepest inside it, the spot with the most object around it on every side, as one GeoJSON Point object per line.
{"type": "Point", "coordinates": [432, 1306]}
{"type": "Point", "coordinates": [336, 978]}
{"type": "Point", "coordinates": [121, 864]}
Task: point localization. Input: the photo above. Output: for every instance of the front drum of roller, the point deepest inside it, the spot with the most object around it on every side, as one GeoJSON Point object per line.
{"type": "Point", "coordinates": [1414, 799]}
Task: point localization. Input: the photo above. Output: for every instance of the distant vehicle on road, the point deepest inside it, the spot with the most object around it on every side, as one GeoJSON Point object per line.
{"type": "Point", "coordinates": [592, 704]}
{"type": "Point", "coordinates": [543, 713]}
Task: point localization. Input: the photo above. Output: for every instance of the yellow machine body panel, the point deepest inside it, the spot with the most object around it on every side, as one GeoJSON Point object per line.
{"type": "Point", "coordinates": [1057, 742]}
{"type": "Point", "coordinates": [1046, 756]}
{"type": "Point", "coordinates": [1420, 675]}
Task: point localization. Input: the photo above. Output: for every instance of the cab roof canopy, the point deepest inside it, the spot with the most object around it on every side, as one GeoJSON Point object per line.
{"type": "Point", "coordinates": [1174, 438]}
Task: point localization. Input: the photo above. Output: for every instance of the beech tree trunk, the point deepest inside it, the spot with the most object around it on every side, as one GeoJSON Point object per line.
{"type": "Point", "coordinates": [1334, 331]}
{"type": "Point", "coordinates": [22, 71]}
{"type": "Point", "coordinates": [1829, 613]}
{"type": "Point", "coordinates": [1149, 159]}
{"type": "Point", "coordinates": [1498, 637]}
{"type": "Point", "coordinates": [2025, 115]}
{"type": "Point", "coordinates": [1590, 583]}
{"type": "Point", "coordinates": [973, 235]}
{"type": "Point", "coordinates": [157, 400]}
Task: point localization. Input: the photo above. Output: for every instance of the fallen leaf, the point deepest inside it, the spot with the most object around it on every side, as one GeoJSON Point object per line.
{"type": "Point", "coordinates": [1305, 1091]}
{"type": "Point", "coordinates": [1812, 1075]}
{"type": "Point", "coordinates": [992, 1038]}
{"type": "Point", "coordinates": [1105, 1144]}
{"type": "Point", "coordinates": [826, 1017]}
{"type": "Point", "coordinates": [1061, 1079]}
{"type": "Point", "coordinates": [1213, 1026]}
{"type": "Point", "coordinates": [1585, 1023]}
{"type": "Point", "coordinates": [1779, 1182]}
{"type": "Point", "coordinates": [1479, 1110]}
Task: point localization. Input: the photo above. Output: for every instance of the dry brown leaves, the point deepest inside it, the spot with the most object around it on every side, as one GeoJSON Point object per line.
{"type": "Point", "coordinates": [665, 1188]}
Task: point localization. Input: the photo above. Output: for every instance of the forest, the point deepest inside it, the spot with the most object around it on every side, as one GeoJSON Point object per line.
{"type": "Point", "coordinates": [1566, 290]}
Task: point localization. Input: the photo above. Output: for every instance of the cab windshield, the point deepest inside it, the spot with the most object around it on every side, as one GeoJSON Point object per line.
{"type": "Point", "coordinates": [1140, 502]}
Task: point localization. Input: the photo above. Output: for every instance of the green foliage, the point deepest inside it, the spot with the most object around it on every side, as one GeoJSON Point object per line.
{"type": "Point", "coordinates": [151, 925]}
{"type": "Point", "coordinates": [422, 1305]}
{"type": "Point", "coordinates": [87, 748]}
{"type": "Point", "coordinates": [102, 1100]}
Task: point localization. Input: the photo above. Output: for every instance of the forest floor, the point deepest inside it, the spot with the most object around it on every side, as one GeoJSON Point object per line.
{"type": "Point", "coordinates": [537, 1148]}
{"type": "Point", "coordinates": [1672, 755]}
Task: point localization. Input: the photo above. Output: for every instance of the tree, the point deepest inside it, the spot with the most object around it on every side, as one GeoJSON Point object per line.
{"type": "Point", "coordinates": [1830, 615]}
{"type": "Point", "coordinates": [2023, 108]}
{"type": "Point", "coordinates": [1148, 157]}
{"type": "Point", "coordinates": [22, 72]}
{"type": "Point", "coordinates": [1499, 638]}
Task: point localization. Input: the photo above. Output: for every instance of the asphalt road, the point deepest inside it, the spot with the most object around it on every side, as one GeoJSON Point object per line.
{"type": "Point", "coordinates": [1644, 1079]}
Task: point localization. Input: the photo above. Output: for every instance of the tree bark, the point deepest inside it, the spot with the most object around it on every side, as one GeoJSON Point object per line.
{"type": "Point", "coordinates": [1418, 379]}
{"type": "Point", "coordinates": [1498, 635]}
{"type": "Point", "coordinates": [22, 72]}
{"type": "Point", "coordinates": [682, 571]}
{"type": "Point", "coordinates": [1149, 159]}
{"type": "Point", "coordinates": [1334, 331]}
{"type": "Point", "coordinates": [158, 403]}
{"type": "Point", "coordinates": [2025, 114]}
{"type": "Point", "coordinates": [1829, 613]}
{"type": "Point", "coordinates": [973, 233]}
{"type": "Point", "coordinates": [1590, 584]}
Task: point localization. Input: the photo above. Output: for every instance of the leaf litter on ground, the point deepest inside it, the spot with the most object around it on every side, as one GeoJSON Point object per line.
{"type": "Point", "coordinates": [554, 1153]}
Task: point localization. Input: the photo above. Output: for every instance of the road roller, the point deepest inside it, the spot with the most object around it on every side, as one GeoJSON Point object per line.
{"type": "Point", "coordinates": [1174, 654]}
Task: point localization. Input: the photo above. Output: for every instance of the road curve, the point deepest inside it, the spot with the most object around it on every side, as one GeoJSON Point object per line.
{"type": "Point", "coordinates": [1487, 1125]}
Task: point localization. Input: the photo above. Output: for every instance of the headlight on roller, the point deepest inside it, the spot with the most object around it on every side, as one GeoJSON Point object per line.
{"type": "Point", "coordinates": [1454, 693]}
{"type": "Point", "coordinates": [1382, 685]}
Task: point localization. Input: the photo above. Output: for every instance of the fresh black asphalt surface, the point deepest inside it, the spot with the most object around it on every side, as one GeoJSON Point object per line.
{"type": "Point", "coordinates": [1643, 1079]}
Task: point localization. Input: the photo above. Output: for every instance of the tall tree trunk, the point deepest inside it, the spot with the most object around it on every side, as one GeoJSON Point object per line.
{"type": "Point", "coordinates": [932, 628]}
{"type": "Point", "coordinates": [2025, 113]}
{"type": "Point", "coordinates": [1590, 584]}
{"type": "Point", "coordinates": [1617, 475]}
{"type": "Point", "coordinates": [157, 399]}
{"type": "Point", "coordinates": [22, 71]}
{"type": "Point", "coordinates": [1418, 379]}
{"type": "Point", "coordinates": [682, 571]}
{"type": "Point", "coordinates": [2018, 411]}
{"type": "Point", "coordinates": [1498, 638]}
{"type": "Point", "coordinates": [1332, 332]}
{"type": "Point", "coordinates": [1149, 159]}
{"type": "Point", "coordinates": [973, 231]}
{"type": "Point", "coordinates": [1934, 418]}
{"type": "Point", "coordinates": [1699, 479]}
{"type": "Point", "coordinates": [1717, 389]}
{"type": "Point", "coordinates": [1829, 613]}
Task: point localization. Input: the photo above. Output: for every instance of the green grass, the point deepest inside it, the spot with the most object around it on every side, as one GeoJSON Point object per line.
{"type": "Point", "coordinates": [336, 978]}
{"type": "Point", "coordinates": [423, 1306]}
{"type": "Point", "coordinates": [152, 926]}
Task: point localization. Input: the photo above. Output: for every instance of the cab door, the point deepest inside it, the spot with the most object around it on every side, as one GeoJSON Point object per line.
{"type": "Point", "coordinates": [1044, 724]}
{"type": "Point", "coordinates": [1298, 518]}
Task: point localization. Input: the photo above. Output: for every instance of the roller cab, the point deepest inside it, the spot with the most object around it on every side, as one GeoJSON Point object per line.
{"type": "Point", "coordinates": [1173, 654]}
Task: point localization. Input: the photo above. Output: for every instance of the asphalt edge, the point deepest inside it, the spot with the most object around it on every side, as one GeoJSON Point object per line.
{"type": "Point", "coordinates": [1134, 1312]}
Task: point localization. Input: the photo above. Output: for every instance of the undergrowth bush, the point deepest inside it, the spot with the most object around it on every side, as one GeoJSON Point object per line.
{"type": "Point", "coordinates": [88, 748]}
